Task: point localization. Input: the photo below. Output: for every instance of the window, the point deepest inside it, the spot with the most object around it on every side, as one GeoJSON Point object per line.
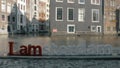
{"type": "Point", "coordinates": [13, 19]}
{"type": "Point", "coordinates": [35, 13]}
{"type": "Point", "coordinates": [21, 18]}
{"type": "Point", "coordinates": [59, 0]}
{"type": "Point", "coordinates": [93, 28]}
{"type": "Point", "coordinates": [9, 18]}
{"type": "Point", "coordinates": [70, 1]}
{"type": "Point", "coordinates": [96, 2]}
{"type": "Point", "coordinates": [81, 14]}
{"type": "Point", "coordinates": [112, 3]}
{"type": "Point", "coordinates": [59, 13]}
{"type": "Point", "coordinates": [35, 16]}
{"type": "Point", "coordinates": [70, 28]}
{"type": "Point", "coordinates": [35, 2]}
{"type": "Point", "coordinates": [21, 7]}
{"type": "Point", "coordinates": [81, 1]}
{"type": "Point", "coordinates": [112, 18]}
{"type": "Point", "coordinates": [70, 14]}
{"type": "Point", "coordinates": [95, 15]}
{"type": "Point", "coordinates": [35, 8]}
{"type": "Point", "coordinates": [3, 7]}
{"type": "Point", "coordinates": [8, 8]}
{"type": "Point", "coordinates": [98, 29]}
{"type": "Point", "coordinates": [3, 27]}
{"type": "Point", "coordinates": [3, 17]}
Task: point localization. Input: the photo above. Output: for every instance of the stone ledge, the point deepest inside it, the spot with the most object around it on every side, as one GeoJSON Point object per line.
{"type": "Point", "coordinates": [62, 57]}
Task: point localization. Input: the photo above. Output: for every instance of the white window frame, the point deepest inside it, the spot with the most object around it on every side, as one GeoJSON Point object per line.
{"type": "Point", "coordinates": [97, 29]}
{"type": "Point", "coordinates": [92, 28]}
{"type": "Point", "coordinates": [82, 14]}
{"type": "Point", "coordinates": [81, 2]}
{"type": "Point", "coordinates": [56, 14]}
{"type": "Point", "coordinates": [70, 1]}
{"type": "Point", "coordinates": [98, 15]}
{"type": "Point", "coordinates": [95, 2]}
{"type": "Point", "coordinates": [68, 14]}
{"type": "Point", "coordinates": [68, 28]}
{"type": "Point", "coordinates": [59, 1]}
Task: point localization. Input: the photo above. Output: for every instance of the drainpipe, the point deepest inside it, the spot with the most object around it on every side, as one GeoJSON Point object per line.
{"type": "Point", "coordinates": [118, 19]}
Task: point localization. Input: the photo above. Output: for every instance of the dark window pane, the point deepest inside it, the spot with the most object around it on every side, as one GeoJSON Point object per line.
{"type": "Point", "coordinates": [21, 18]}
{"type": "Point", "coordinates": [82, 1]}
{"type": "Point", "coordinates": [70, 11]}
{"type": "Point", "coordinates": [95, 15]}
{"type": "Point", "coordinates": [8, 18]}
{"type": "Point", "coordinates": [59, 13]}
{"type": "Point", "coordinates": [3, 17]}
{"type": "Point", "coordinates": [71, 28]}
{"type": "Point", "coordinates": [35, 1]}
{"type": "Point", "coordinates": [35, 8]}
{"type": "Point", "coordinates": [13, 19]}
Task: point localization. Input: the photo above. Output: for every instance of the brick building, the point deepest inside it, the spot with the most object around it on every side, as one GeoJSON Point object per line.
{"type": "Point", "coordinates": [76, 17]}
{"type": "Point", "coordinates": [110, 20]}
{"type": "Point", "coordinates": [22, 16]}
{"type": "Point", "coordinates": [5, 10]}
{"type": "Point", "coordinates": [39, 16]}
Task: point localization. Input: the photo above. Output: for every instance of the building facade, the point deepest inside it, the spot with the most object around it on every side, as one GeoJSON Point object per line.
{"type": "Point", "coordinates": [110, 16]}
{"type": "Point", "coordinates": [23, 16]}
{"type": "Point", "coordinates": [5, 10]}
{"type": "Point", "coordinates": [44, 7]}
{"type": "Point", "coordinates": [17, 17]}
{"type": "Point", "coordinates": [44, 15]}
{"type": "Point", "coordinates": [39, 15]}
{"type": "Point", "coordinates": [76, 17]}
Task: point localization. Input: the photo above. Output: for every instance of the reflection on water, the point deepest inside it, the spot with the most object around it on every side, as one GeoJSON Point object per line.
{"type": "Point", "coordinates": [112, 40]}
{"type": "Point", "coordinates": [57, 41]}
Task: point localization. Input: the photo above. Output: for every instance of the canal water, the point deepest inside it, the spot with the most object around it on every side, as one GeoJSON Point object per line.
{"type": "Point", "coordinates": [62, 45]}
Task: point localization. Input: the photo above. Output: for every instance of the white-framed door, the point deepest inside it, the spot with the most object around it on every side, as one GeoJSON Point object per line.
{"type": "Point", "coordinates": [99, 29]}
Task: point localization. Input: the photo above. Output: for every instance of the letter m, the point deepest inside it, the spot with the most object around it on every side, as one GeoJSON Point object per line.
{"type": "Point", "coordinates": [35, 50]}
